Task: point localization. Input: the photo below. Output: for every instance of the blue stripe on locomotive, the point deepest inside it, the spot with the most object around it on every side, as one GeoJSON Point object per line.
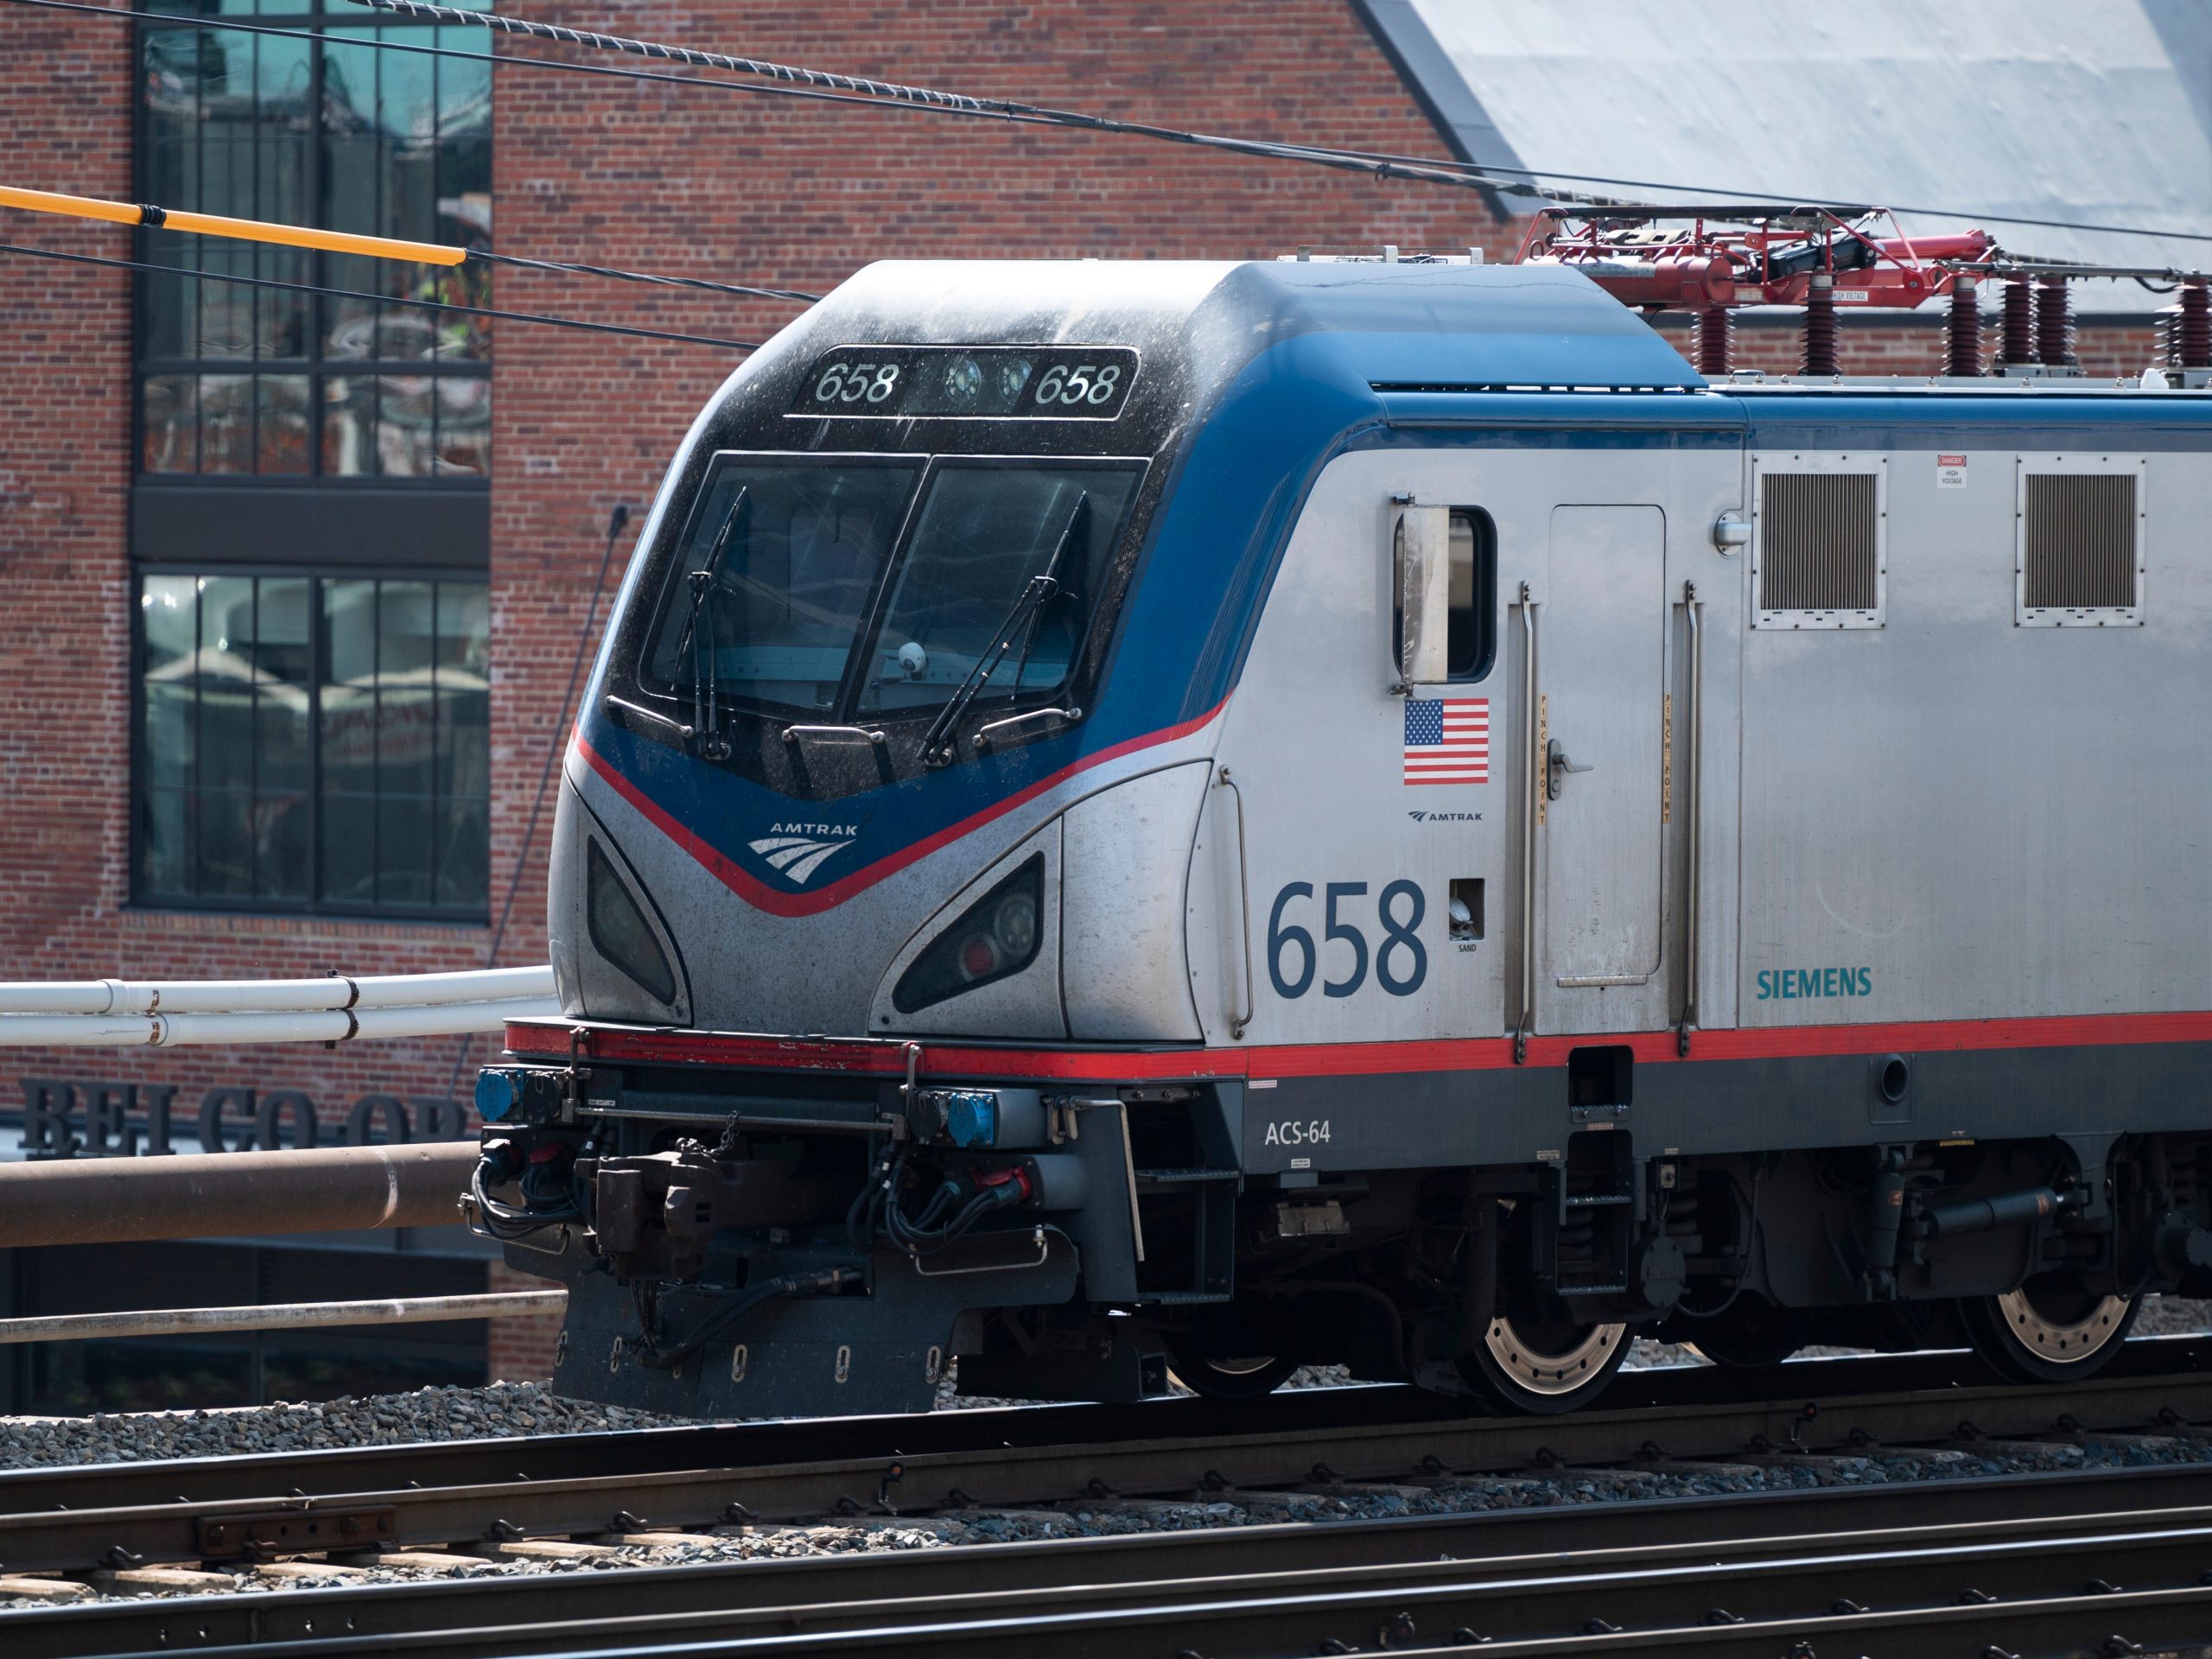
{"type": "Point", "coordinates": [1244, 474]}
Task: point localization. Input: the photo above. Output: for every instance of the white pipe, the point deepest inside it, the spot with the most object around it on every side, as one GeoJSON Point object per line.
{"type": "Point", "coordinates": [120, 996]}
{"type": "Point", "coordinates": [340, 1026]}
{"type": "Point", "coordinates": [282, 1316]}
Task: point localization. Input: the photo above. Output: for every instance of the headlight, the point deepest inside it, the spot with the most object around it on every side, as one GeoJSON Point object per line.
{"type": "Point", "coordinates": [619, 930]}
{"type": "Point", "coordinates": [994, 936]}
{"type": "Point", "coordinates": [1014, 925]}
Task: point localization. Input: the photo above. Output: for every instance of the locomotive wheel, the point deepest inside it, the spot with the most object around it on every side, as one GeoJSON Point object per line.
{"type": "Point", "coordinates": [2046, 1332]}
{"type": "Point", "coordinates": [1233, 1379]}
{"type": "Point", "coordinates": [1542, 1369]}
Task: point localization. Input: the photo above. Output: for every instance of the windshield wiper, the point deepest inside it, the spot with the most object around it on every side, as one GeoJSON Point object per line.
{"type": "Point", "coordinates": [706, 692]}
{"type": "Point", "coordinates": [939, 746]}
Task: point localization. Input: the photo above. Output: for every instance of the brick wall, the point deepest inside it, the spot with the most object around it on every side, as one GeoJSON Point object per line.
{"type": "Point", "coordinates": [1774, 343]}
{"type": "Point", "coordinates": [64, 347]}
{"type": "Point", "coordinates": [519, 1350]}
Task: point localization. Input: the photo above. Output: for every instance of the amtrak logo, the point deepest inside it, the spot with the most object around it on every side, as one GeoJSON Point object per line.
{"type": "Point", "coordinates": [797, 850]}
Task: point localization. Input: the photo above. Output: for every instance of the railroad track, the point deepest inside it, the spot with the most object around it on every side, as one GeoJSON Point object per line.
{"type": "Point", "coordinates": [218, 1524]}
{"type": "Point", "coordinates": [2030, 1565]}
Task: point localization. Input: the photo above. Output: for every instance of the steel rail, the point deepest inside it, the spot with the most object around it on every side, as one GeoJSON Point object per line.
{"type": "Point", "coordinates": [71, 1520]}
{"type": "Point", "coordinates": [1512, 1576]}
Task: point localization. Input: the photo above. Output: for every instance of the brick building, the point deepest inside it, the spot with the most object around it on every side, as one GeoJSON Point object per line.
{"type": "Point", "coordinates": [299, 579]}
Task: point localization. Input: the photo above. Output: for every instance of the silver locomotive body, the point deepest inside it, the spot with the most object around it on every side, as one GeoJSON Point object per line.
{"type": "Point", "coordinates": [1405, 830]}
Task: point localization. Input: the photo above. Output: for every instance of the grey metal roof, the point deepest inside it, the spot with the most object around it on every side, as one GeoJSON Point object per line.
{"type": "Point", "coordinates": [2096, 111]}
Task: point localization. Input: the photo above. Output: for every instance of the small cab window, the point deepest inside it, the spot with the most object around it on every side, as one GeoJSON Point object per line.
{"type": "Point", "coordinates": [1471, 614]}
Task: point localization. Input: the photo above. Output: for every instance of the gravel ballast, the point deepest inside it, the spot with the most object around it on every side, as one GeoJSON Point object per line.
{"type": "Point", "coordinates": [433, 1414]}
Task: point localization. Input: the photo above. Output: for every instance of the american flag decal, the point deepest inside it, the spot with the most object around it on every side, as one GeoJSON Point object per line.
{"type": "Point", "coordinates": [1447, 741]}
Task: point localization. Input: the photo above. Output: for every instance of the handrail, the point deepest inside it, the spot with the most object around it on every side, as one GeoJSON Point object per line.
{"type": "Point", "coordinates": [1693, 804]}
{"type": "Point", "coordinates": [1532, 793]}
{"type": "Point", "coordinates": [986, 735]}
{"type": "Point", "coordinates": [793, 734]}
{"type": "Point", "coordinates": [1238, 1023]}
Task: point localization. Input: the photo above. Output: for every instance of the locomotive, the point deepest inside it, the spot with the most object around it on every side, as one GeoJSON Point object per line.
{"type": "Point", "coordinates": [1159, 816]}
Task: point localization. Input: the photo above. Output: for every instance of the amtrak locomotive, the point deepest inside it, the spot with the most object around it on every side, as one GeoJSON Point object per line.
{"type": "Point", "coordinates": [1209, 818]}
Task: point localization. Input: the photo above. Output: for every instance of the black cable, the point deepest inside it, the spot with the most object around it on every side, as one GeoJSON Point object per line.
{"type": "Point", "coordinates": [175, 19]}
{"type": "Point", "coordinates": [1520, 181]}
{"type": "Point", "coordinates": [1381, 164]}
{"type": "Point", "coordinates": [894, 94]}
{"type": "Point", "coordinates": [503, 1221]}
{"type": "Point", "coordinates": [569, 267]}
{"type": "Point", "coordinates": [382, 298]}
{"type": "Point", "coordinates": [555, 746]}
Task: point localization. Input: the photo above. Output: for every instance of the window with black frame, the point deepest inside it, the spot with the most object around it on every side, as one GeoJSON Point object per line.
{"type": "Point", "coordinates": [336, 132]}
{"type": "Point", "coordinates": [801, 580]}
{"type": "Point", "coordinates": [312, 743]}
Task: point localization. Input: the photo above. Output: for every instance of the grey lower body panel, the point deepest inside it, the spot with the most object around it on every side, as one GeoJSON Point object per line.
{"type": "Point", "coordinates": [1692, 1107]}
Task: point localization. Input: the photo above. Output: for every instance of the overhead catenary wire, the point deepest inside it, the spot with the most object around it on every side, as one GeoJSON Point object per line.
{"type": "Point", "coordinates": [151, 216]}
{"type": "Point", "coordinates": [1430, 169]}
{"type": "Point", "coordinates": [1517, 180]}
{"type": "Point", "coordinates": [895, 94]}
{"type": "Point", "coordinates": [383, 299]}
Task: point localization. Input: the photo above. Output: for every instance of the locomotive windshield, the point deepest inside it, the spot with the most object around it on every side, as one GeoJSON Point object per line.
{"type": "Point", "coordinates": [983, 532]}
{"type": "Point", "coordinates": [796, 591]}
{"type": "Point", "coordinates": [795, 552]}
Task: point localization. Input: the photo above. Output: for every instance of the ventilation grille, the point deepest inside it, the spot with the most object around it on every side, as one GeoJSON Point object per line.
{"type": "Point", "coordinates": [1820, 542]}
{"type": "Point", "coordinates": [2077, 545]}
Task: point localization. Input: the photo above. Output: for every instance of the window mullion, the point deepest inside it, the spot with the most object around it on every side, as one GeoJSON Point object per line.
{"type": "Point", "coordinates": [256, 299]}
{"type": "Point", "coordinates": [437, 711]}
{"type": "Point", "coordinates": [193, 286]}
{"type": "Point", "coordinates": [376, 742]}
{"type": "Point", "coordinates": [253, 731]}
{"type": "Point", "coordinates": [317, 655]}
{"type": "Point", "coordinates": [318, 269]}
{"type": "Point", "coordinates": [195, 813]}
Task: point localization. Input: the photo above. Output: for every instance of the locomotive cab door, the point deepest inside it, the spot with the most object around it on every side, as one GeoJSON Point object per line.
{"type": "Point", "coordinates": [1601, 769]}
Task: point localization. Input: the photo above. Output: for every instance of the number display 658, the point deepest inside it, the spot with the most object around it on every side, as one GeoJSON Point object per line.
{"type": "Point", "coordinates": [1399, 960]}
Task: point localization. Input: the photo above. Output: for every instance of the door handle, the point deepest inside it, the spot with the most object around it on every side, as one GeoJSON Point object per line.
{"type": "Point", "coordinates": [1557, 765]}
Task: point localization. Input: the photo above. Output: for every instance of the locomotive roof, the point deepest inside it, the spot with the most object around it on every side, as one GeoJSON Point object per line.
{"type": "Point", "coordinates": [1405, 324]}
{"type": "Point", "coordinates": [1306, 352]}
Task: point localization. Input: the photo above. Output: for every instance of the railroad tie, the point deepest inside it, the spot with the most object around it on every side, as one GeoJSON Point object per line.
{"type": "Point", "coordinates": [2180, 1446]}
{"type": "Point", "coordinates": [546, 1549]}
{"type": "Point", "coordinates": [42, 1589]}
{"type": "Point", "coordinates": [422, 1560]}
{"type": "Point", "coordinates": [2058, 1451]}
{"type": "Point", "coordinates": [1287, 1503]}
{"type": "Point", "coordinates": [298, 1569]}
{"type": "Point", "coordinates": [152, 1580]}
{"type": "Point", "coordinates": [1700, 1470]}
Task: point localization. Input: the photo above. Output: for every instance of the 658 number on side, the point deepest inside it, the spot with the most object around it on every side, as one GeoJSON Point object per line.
{"type": "Point", "coordinates": [1399, 960]}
